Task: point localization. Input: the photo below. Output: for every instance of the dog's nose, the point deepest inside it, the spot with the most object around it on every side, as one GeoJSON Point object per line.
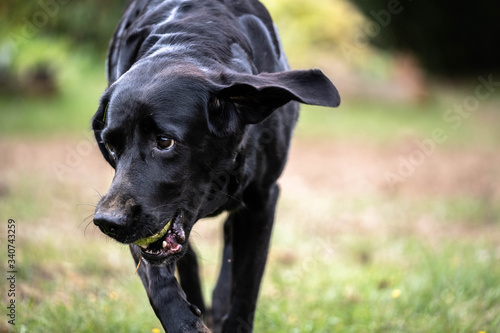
{"type": "Point", "coordinates": [109, 223]}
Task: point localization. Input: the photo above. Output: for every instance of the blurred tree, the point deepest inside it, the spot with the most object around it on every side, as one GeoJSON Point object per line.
{"type": "Point", "coordinates": [36, 38]}
{"type": "Point", "coordinates": [89, 22]}
{"type": "Point", "coordinates": [449, 38]}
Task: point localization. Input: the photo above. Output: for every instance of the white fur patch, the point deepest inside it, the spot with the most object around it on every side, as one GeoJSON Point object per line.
{"type": "Point", "coordinates": [171, 15]}
{"type": "Point", "coordinates": [240, 60]}
{"type": "Point", "coordinates": [165, 49]}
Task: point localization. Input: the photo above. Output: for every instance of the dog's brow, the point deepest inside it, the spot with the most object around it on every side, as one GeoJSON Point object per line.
{"type": "Point", "coordinates": [112, 135]}
{"type": "Point", "coordinates": [163, 125]}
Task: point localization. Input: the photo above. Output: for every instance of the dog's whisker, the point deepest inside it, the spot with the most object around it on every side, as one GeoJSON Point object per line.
{"type": "Point", "coordinates": [86, 227]}
{"type": "Point", "coordinates": [86, 204]}
{"type": "Point", "coordinates": [85, 219]}
{"type": "Point", "coordinates": [97, 192]}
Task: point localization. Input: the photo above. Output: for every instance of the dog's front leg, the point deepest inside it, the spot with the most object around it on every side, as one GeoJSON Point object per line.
{"type": "Point", "coordinates": [189, 276]}
{"type": "Point", "coordinates": [167, 298]}
{"type": "Point", "coordinates": [251, 234]}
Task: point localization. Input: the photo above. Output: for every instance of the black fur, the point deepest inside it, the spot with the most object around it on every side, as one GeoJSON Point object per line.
{"type": "Point", "coordinates": [211, 75]}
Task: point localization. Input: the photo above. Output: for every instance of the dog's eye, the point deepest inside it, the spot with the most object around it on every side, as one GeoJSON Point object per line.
{"type": "Point", "coordinates": [164, 143]}
{"type": "Point", "coordinates": [111, 150]}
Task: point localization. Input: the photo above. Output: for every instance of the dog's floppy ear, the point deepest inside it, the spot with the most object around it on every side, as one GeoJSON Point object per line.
{"type": "Point", "coordinates": [249, 99]}
{"type": "Point", "coordinates": [99, 122]}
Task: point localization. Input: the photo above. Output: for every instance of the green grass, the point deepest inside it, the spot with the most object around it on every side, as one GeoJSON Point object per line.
{"type": "Point", "coordinates": [344, 281]}
{"type": "Point", "coordinates": [74, 285]}
{"type": "Point", "coordinates": [436, 294]}
{"type": "Point", "coordinates": [390, 122]}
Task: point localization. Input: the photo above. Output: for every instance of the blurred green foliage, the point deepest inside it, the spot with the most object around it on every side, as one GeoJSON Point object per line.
{"type": "Point", "coordinates": [42, 36]}
{"type": "Point", "coordinates": [321, 22]}
{"type": "Point", "coordinates": [39, 40]}
{"type": "Point", "coordinates": [449, 38]}
{"type": "Point", "coordinates": [307, 26]}
{"type": "Point", "coordinates": [79, 80]}
{"type": "Point", "coordinates": [88, 22]}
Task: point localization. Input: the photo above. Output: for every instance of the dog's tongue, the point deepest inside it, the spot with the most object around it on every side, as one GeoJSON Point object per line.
{"type": "Point", "coordinates": [175, 237]}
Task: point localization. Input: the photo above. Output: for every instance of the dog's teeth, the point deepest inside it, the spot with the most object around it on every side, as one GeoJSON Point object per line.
{"type": "Point", "coordinates": [164, 244]}
{"type": "Point", "coordinates": [144, 247]}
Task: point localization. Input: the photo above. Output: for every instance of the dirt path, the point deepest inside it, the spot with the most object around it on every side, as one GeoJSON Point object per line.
{"type": "Point", "coordinates": [356, 168]}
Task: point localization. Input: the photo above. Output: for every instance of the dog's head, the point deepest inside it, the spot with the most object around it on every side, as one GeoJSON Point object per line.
{"type": "Point", "coordinates": [170, 133]}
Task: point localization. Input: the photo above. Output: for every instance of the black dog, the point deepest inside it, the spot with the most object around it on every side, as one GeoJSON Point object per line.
{"type": "Point", "coordinates": [197, 120]}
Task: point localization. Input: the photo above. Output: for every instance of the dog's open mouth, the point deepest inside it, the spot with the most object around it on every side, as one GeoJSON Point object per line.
{"type": "Point", "coordinates": [164, 243]}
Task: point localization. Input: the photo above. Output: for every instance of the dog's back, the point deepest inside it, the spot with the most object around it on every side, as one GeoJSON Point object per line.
{"type": "Point", "coordinates": [222, 32]}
